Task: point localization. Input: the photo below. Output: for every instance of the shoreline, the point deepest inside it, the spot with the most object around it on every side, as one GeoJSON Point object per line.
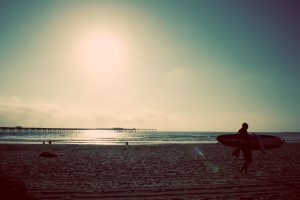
{"type": "Point", "coordinates": [162, 171]}
{"type": "Point", "coordinates": [91, 138]}
{"type": "Point", "coordinates": [3, 142]}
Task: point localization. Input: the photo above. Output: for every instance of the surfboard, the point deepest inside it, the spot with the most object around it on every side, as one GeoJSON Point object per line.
{"type": "Point", "coordinates": [256, 141]}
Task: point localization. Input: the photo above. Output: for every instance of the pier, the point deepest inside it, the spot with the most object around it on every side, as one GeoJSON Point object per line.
{"type": "Point", "coordinates": [20, 129]}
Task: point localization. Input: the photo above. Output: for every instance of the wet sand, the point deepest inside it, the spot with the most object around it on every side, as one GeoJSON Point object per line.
{"type": "Point", "coordinates": [190, 171]}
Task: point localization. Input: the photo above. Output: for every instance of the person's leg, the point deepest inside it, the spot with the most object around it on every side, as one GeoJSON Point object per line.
{"type": "Point", "coordinates": [248, 160]}
{"type": "Point", "coordinates": [245, 162]}
{"type": "Point", "coordinates": [243, 167]}
{"type": "Point", "coordinates": [246, 166]}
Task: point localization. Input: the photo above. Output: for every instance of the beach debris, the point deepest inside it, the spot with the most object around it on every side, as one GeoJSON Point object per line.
{"type": "Point", "coordinates": [48, 155]}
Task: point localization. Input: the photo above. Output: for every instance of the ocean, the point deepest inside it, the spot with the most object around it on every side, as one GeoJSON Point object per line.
{"type": "Point", "coordinates": [110, 137]}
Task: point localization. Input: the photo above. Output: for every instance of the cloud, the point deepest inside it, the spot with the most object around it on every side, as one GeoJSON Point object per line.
{"type": "Point", "coordinates": [15, 111]}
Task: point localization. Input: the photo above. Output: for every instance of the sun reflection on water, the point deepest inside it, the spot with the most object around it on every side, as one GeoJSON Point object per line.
{"type": "Point", "coordinates": [97, 134]}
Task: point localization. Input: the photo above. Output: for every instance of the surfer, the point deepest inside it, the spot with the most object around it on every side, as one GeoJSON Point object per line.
{"type": "Point", "coordinates": [246, 148]}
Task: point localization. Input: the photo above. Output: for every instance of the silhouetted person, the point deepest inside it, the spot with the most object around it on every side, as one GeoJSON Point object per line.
{"type": "Point", "coordinates": [246, 149]}
{"type": "Point", "coordinates": [50, 142]}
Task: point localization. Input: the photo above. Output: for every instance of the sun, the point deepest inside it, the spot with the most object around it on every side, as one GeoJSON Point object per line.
{"type": "Point", "coordinates": [102, 51]}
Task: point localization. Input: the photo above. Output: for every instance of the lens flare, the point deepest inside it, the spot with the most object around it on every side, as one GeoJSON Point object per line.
{"type": "Point", "coordinates": [208, 165]}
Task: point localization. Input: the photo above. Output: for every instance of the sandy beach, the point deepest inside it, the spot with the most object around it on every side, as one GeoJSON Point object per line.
{"type": "Point", "coordinates": [189, 171]}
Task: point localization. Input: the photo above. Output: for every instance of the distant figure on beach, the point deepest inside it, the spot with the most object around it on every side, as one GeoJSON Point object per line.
{"type": "Point", "coordinates": [43, 142]}
{"type": "Point", "coordinates": [126, 143]}
{"type": "Point", "coordinates": [50, 142]}
{"type": "Point", "coordinates": [246, 148]}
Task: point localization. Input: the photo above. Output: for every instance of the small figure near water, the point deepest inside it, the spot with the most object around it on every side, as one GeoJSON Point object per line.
{"type": "Point", "coordinates": [50, 142]}
{"type": "Point", "coordinates": [246, 149]}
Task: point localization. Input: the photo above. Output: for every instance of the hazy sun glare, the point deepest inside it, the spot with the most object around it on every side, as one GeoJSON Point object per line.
{"type": "Point", "coordinates": [101, 52]}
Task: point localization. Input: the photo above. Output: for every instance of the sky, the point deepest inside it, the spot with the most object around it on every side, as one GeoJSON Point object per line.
{"type": "Point", "coordinates": [190, 65]}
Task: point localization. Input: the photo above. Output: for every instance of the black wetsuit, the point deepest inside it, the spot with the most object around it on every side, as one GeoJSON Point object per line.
{"type": "Point", "coordinates": [246, 149]}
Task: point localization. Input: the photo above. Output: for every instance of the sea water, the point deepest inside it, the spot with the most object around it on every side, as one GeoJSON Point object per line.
{"type": "Point", "coordinates": [111, 137]}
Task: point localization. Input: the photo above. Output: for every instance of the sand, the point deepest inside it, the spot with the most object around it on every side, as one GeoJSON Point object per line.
{"type": "Point", "coordinates": [190, 171]}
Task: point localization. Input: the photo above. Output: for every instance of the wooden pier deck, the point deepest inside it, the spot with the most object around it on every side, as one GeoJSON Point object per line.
{"type": "Point", "coordinates": [20, 129]}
